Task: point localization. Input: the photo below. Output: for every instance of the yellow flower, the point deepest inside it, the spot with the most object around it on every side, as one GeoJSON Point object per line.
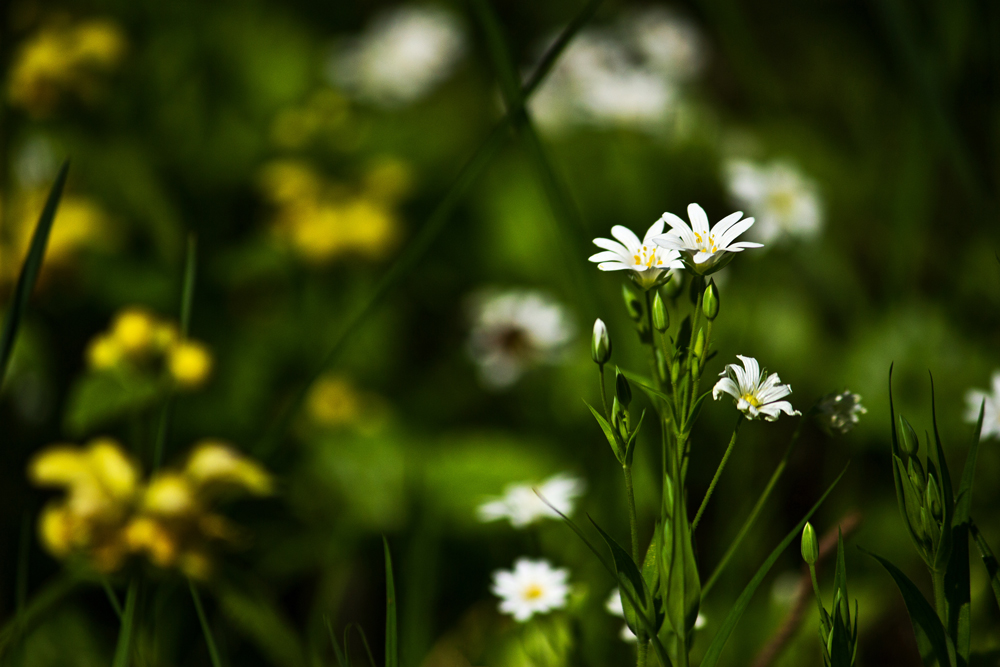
{"type": "Point", "coordinates": [169, 494]}
{"type": "Point", "coordinates": [98, 43]}
{"type": "Point", "coordinates": [149, 536]}
{"type": "Point", "coordinates": [103, 352]}
{"type": "Point", "coordinates": [214, 463]}
{"type": "Point", "coordinates": [189, 363]}
{"type": "Point", "coordinates": [371, 228]}
{"type": "Point", "coordinates": [289, 181]}
{"type": "Point", "coordinates": [133, 329]}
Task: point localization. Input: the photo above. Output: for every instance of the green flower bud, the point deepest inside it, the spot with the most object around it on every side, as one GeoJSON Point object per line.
{"type": "Point", "coordinates": [908, 442]}
{"type": "Point", "coordinates": [916, 473]}
{"type": "Point", "coordinates": [632, 304]}
{"type": "Point", "coordinates": [932, 532]}
{"type": "Point", "coordinates": [810, 547]}
{"type": "Point", "coordinates": [623, 392]}
{"type": "Point", "coordinates": [668, 496]}
{"type": "Point", "coordinates": [661, 364]}
{"type": "Point", "coordinates": [619, 419]}
{"type": "Point", "coordinates": [600, 343]}
{"type": "Point", "coordinates": [933, 501]}
{"type": "Point", "coordinates": [661, 320]}
{"type": "Point", "coordinates": [699, 344]}
{"type": "Point", "coordinates": [710, 301]}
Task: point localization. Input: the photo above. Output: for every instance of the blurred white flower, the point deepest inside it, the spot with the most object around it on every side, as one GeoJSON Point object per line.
{"type": "Point", "coordinates": [991, 413]}
{"type": "Point", "coordinates": [400, 57]}
{"type": "Point", "coordinates": [513, 331]}
{"type": "Point", "coordinates": [614, 607]}
{"type": "Point", "coordinates": [707, 250]}
{"type": "Point", "coordinates": [532, 587]}
{"type": "Point", "coordinates": [647, 261]}
{"type": "Point", "coordinates": [838, 413]}
{"type": "Point", "coordinates": [784, 202]}
{"type": "Point", "coordinates": [522, 506]}
{"type": "Point", "coordinates": [756, 392]}
{"type": "Point", "coordinates": [669, 43]}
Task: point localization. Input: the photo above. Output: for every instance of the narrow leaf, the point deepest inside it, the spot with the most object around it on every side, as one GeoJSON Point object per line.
{"type": "Point", "coordinates": [391, 631]}
{"type": "Point", "coordinates": [213, 652]}
{"type": "Point", "coordinates": [609, 433]}
{"type": "Point", "coordinates": [29, 271]}
{"type": "Point", "coordinates": [897, 472]}
{"type": "Point", "coordinates": [123, 650]}
{"type": "Point", "coordinates": [630, 447]}
{"type": "Point", "coordinates": [714, 651]}
{"type": "Point", "coordinates": [338, 654]}
{"type": "Point", "coordinates": [626, 569]}
{"type": "Point", "coordinates": [989, 560]}
{"type": "Point", "coordinates": [260, 622]}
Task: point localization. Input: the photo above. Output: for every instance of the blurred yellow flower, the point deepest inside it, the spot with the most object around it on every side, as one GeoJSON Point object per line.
{"type": "Point", "coordinates": [213, 464]}
{"type": "Point", "coordinates": [62, 59]}
{"type": "Point", "coordinates": [189, 363]}
{"type": "Point", "coordinates": [132, 329]}
{"type": "Point", "coordinates": [333, 401]}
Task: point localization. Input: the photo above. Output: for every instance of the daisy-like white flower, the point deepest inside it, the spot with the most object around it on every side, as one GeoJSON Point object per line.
{"type": "Point", "coordinates": [783, 201]}
{"type": "Point", "coordinates": [705, 250]}
{"type": "Point", "coordinates": [839, 412]}
{"type": "Point", "coordinates": [756, 393]}
{"type": "Point", "coordinates": [522, 506]}
{"type": "Point", "coordinates": [648, 262]}
{"type": "Point", "coordinates": [614, 607]}
{"type": "Point", "coordinates": [532, 587]}
{"type": "Point", "coordinates": [991, 413]}
{"type": "Point", "coordinates": [513, 331]}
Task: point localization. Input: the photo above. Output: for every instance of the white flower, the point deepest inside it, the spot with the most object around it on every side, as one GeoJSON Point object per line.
{"type": "Point", "coordinates": [402, 55]}
{"type": "Point", "coordinates": [647, 261]}
{"type": "Point", "coordinates": [522, 506]}
{"type": "Point", "coordinates": [781, 199]}
{"type": "Point", "coordinates": [614, 607]}
{"type": "Point", "coordinates": [838, 413]}
{"type": "Point", "coordinates": [532, 587]}
{"type": "Point", "coordinates": [991, 413]}
{"type": "Point", "coordinates": [755, 394]}
{"type": "Point", "coordinates": [669, 44]}
{"type": "Point", "coordinates": [513, 331]}
{"type": "Point", "coordinates": [707, 250]}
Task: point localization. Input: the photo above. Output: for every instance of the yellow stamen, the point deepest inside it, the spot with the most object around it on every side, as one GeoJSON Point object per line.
{"type": "Point", "coordinates": [533, 592]}
{"type": "Point", "coordinates": [751, 399]}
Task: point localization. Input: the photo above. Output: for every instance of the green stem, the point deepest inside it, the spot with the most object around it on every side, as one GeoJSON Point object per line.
{"type": "Point", "coordinates": [641, 643]}
{"type": "Point", "coordinates": [940, 602]}
{"type": "Point", "coordinates": [604, 394]}
{"type": "Point", "coordinates": [112, 597]}
{"type": "Point", "coordinates": [213, 652]}
{"type": "Point", "coordinates": [718, 473]}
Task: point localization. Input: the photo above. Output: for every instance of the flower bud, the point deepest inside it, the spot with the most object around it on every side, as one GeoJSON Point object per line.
{"type": "Point", "coordinates": [662, 370]}
{"type": "Point", "coordinates": [933, 500]}
{"type": "Point", "coordinates": [810, 547]}
{"type": "Point", "coordinates": [710, 301]}
{"type": "Point", "coordinates": [632, 304]}
{"type": "Point", "coordinates": [622, 389]}
{"type": "Point", "coordinates": [600, 343]}
{"type": "Point", "coordinates": [908, 442]}
{"type": "Point", "coordinates": [916, 473]}
{"type": "Point", "coordinates": [699, 344]}
{"type": "Point", "coordinates": [661, 320]}
{"type": "Point", "coordinates": [619, 419]}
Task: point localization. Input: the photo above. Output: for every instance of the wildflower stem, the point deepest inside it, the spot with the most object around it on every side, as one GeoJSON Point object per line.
{"type": "Point", "coordinates": [815, 583]}
{"type": "Point", "coordinates": [718, 473]}
{"type": "Point", "coordinates": [631, 512]}
{"type": "Point", "coordinates": [940, 601]}
{"type": "Point", "coordinates": [207, 631]}
{"type": "Point", "coordinates": [112, 597]}
{"type": "Point", "coordinates": [604, 393]}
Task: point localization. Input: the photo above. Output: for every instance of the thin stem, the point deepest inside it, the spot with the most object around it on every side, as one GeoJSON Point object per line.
{"type": "Point", "coordinates": [815, 583]}
{"type": "Point", "coordinates": [940, 602]}
{"type": "Point", "coordinates": [112, 597]}
{"type": "Point", "coordinates": [641, 645]}
{"type": "Point", "coordinates": [718, 473]}
{"type": "Point", "coordinates": [604, 394]}
{"type": "Point", "coordinates": [209, 640]}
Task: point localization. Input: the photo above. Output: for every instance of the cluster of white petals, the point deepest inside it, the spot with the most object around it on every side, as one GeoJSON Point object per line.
{"type": "Point", "coordinates": [521, 505]}
{"type": "Point", "coordinates": [990, 402]}
{"type": "Point", "coordinates": [756, 393]}
{"type": "Point", "coordinates": [784, 202]}
{"type": "Point", "coordinates": [532, 587]}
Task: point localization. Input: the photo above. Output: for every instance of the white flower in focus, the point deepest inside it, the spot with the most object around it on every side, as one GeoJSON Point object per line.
{"type": "Point", "coordinates": [513, 331]}
{"type": "Point", "coordinates": [707, 250]}
{"type": "Point", "coordinates": [783, 201]}
{"type": "Point", "coordinates": [614, 607]}
{"type": "Point", "coordinates": [522, 506]}
{"type": "Point", "coordinates": [532, 587]}
{"type": "Point", "coordinates": [991, 412]}
{"type": "Point", "coordinates": [647, 261]}
{"type": "Point", "coordinates": [756, 393]}
{"type": "Point", "coordinates": [402, 55]}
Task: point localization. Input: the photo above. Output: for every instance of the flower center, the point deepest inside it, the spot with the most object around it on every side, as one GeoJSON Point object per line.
{"type": "Point", "coordinates": [647, 258]}
{"type": "Point", "coordinates": [707, 244]}
{"type": "Point", "coordinates": [781, 202]}
{"type": "Point", "coordinates": [532, 592]}
{"type": "Point", "coordinates": [751, 399]}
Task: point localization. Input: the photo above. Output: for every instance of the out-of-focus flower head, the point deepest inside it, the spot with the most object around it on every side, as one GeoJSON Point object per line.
{"type": "Point", "coordinates": [322, 222]}
{"type": "Point", "coordinates": [142, 342]}
{"type": "Point", "coordinates": [400, 57]}
{"type": "Point", "coordinates": [532, 587]}
{"type": "Point", "coordinates": [838, 413]}
{"type": "Point", "coordinates": [631, 74]}
{"type": "Point", "coordinates": [521, 505]}
{"type": "Point", "coordinates": [975, 399]}
{"type": "Point", "coordinates": [336, 402]}
{"type": "Point", "coordinates": [649, 263]}
{"type": "Point", "coordinates": [756, 393]}
{"type": "Point", "coordinates": [513, 331]}
{"type": "Point", "coordinates": [782, 200]}
{"type": "Point", "coordinates": [62, 59]}
{"type": "Point", "coordinates": [102, 485]}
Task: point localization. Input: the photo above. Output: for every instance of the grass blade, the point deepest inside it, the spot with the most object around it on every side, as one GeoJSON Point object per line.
{"type": "Point", "coordinates": [934, 644]}
{"type": "Point", "coordinates": [263, 624]}
{"type": "Point", "coordinates": [391, 629]}
{"type": "Point", "coordinates": [29, 271]}
{"type": "Point", "coordinates": [337, 653]}
{"type": "Point", "coordinates": [123, 650]}
{"type": "Point", "coordinates": [714, 651]}
{"type": "Point", "coordinates": [213, 652]}
{"type": "Point", "coordinates": [989, 560]}
{"type": "Point", "coordinates": [112, 598]}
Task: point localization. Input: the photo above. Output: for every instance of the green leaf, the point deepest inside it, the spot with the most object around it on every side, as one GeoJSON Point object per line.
{"type": "Point", "coordinates": [651, 576]}
{"type": "Point", "coordinates": [628, 573]}
{"type": "Point", "coordinates": [213, 652]}
{"type": "Point", "coordinates": [934, 644]}
{"type": "Point", "coordinates": [898, 473]}
{"type": "Point", "coordinates": [714, 651]}
{"type": "Point", "coordinates": [391, 630]}
{"type": "Point", "coordinates": [944, 548]}
{"type": "Point", "coordinates": [263, 625]}
{"type": "Point", "coordinates": [679, 580]}
{"type": "Point", "coordinates": [989, 560]}
{"type": "Point", "coordinates": [963, 504]}
{"type": "Point", "coordinates": [100, 398]}
{"type": "Point", "coordinates": [695, 411]}
{"type": "Point", "coordinates": [609, 433]}
{"type": "Point", "coordinates": [912, 496]}
{"type": "Point", "coordinates": [630, 446]}
{"type": "Point", "coordinates": [123, 649]}
{"type": "Point", "coordinates": [29, 271]}
{"type": "Point", "coordinates": [337, 652]}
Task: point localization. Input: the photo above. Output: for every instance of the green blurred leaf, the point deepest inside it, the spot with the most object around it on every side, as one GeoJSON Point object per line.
{"type": "Point", "coordinates": [213, 652]}
{"type": "Point", "coordinates": [989, 560]}
{"type": "Point", "coordinates": [342, 661]}
{"type": "Point", "coordinates": [945, 547]}
{"type": "Point", "coordinates": [391, 630]}
{"type": "Point", "coordinates": [262, 624]}
{"type": "Point", "coordinates": [123, 649]}
{"type": "Point", "coordinates": [35, 610]}
{"type": "Point", "coordinates": [102, 397]}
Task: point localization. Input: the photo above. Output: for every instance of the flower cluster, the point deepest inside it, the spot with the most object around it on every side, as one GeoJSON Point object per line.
{"type": "Point", "coordinates": [322, 221]}
{"type": "Point", "coordinates": [109, 514]}
{"type": "Point", "coordinates": [137, 340]}
{"type": "Point", "coordinates": [64, 59]}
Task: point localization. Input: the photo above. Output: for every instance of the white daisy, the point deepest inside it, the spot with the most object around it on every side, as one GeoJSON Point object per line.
{"type": "Point", "coordinates": [614, 607]}
{"type": "Point", "coordinates": [532, 587]}
{"type": "Point", "coordinates": [648, 262]}
{"type": "Point", "coordinates": [402, 55]}
{"type": "Point", "coordinates": [991, 413]}
{"type": "Point", "coordinates": [782, 200]}
{"type": "Point", "coordinates": [706, 250]}
{"type": "Point", "coordinates": [513, 331]}
{"type": "Point", "coordinates": [756, 393]}
{"type": "Point", "coordinates": [522, 506]}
